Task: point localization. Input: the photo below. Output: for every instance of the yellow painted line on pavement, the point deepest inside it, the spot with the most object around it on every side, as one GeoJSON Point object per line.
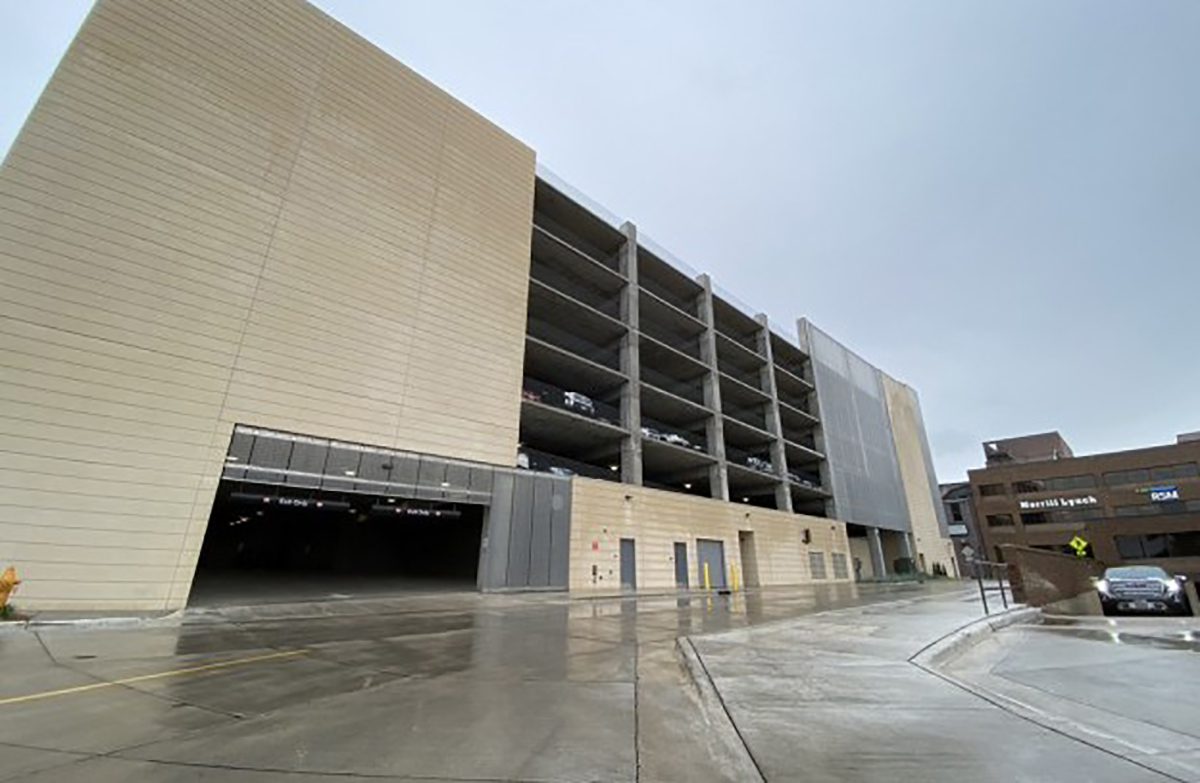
{"type": "Point", "coordinates": [144, 677]}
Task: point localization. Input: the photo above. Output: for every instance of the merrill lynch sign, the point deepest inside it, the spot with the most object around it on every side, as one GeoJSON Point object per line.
{"type": "Point", "coordinates": [1086, 500]}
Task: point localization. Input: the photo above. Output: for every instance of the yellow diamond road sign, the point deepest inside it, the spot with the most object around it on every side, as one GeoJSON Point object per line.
{"type": "Point", "coordinates": [1080, 545]}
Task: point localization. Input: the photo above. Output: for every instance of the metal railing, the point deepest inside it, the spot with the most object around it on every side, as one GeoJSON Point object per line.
{"type": "Point", "coordinates": [987, 571]}
{"type": "Point", "coordinates": [578, 196]}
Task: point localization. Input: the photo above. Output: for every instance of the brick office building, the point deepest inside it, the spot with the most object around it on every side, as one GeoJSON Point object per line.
{"type": "Point", "coordinates": [1136, 506]}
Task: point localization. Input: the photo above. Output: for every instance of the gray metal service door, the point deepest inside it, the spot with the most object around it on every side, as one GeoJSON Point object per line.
{"type": "Point", "coordinates": [681, 570]}
{"type": "Point", "coordinates": [628, 565]}
{"type": "Point", "coordinates": [711, 553]}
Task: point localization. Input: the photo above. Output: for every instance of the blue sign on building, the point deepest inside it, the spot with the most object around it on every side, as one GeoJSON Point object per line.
{"type": "Point", "coordinates": [1163, 494]}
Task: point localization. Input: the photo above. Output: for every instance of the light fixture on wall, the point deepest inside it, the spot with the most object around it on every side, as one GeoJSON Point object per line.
{"type": "Point", "coordinates": [687, 485]}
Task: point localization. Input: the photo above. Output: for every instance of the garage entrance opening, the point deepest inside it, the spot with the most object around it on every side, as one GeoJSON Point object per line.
{"type": "Point", "coordinates": [269, 544]}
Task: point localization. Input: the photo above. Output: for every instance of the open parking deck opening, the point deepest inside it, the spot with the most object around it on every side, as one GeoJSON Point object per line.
{"type": "Point", "coordinates": [269, 544]}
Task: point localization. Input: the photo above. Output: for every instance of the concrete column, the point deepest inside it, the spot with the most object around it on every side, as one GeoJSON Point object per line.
{"type": "Point", "coordinates": [783, 495]}
{"type": "Point", "coordinates": [878, 562]}
{"type": "Point", "coordinates": [910, 550]}
{"type": "Point", "coordinates": [631, 362]}
{"type": "Point", "coordinates": [718, 475]}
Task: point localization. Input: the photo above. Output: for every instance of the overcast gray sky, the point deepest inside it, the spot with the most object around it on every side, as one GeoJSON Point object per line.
{"type": "Point", "coordinates": [996, 202]}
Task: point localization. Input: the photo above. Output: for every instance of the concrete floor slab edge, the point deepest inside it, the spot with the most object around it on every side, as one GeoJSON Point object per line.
{"type": "Point", "coordinates": [716, 714]}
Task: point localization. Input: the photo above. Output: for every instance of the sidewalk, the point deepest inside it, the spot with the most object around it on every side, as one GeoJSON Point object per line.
{"type": "Point", "coordinates": [836, 697]}
{"type": "Point", "coordinates": [1129, 686]}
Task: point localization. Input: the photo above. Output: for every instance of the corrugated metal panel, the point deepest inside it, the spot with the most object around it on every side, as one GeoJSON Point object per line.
{"type": "Point", "coordinates": [560, 533]}
{"type": "Point", "coordinates": [539, 544]}
{"type": "Point", "coordinates": [493, 567]}
{"type": "Point", "coordinates": [520, 532]}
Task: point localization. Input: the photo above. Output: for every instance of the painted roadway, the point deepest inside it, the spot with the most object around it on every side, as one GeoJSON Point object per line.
{"type": "Point", "coordinates": [436, 687]}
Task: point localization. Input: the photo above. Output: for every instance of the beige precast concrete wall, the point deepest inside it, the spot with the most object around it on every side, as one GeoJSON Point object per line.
{"type": "Point", "coordinates": [860, 549]}
{"type": "Point", "coordinates": [227, 212]}
{"type": "Point", "coordinates": [920, 488]}
{"type": "Point", "coordinates": [604, 512]}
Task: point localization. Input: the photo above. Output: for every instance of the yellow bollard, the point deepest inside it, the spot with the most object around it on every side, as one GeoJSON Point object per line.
{"type": "Point", "coordinates": [707, 580]}
{"type": "Point", "coordinates": [734, 574]}
{"type": "Point", "coordinates": [8, 583]}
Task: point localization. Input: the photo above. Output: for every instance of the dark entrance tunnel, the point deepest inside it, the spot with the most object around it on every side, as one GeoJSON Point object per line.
{"type": "Point", "coordinates": [265, 545]}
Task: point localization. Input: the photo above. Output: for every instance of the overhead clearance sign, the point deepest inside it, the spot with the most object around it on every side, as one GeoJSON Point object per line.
{"type": "Point", "coordinates": [1033, 505]}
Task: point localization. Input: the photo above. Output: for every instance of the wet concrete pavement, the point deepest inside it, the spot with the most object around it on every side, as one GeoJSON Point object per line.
{"type": "Point", "coordinates": [434, 687]}
{"type": "Point", "coordinates": [1128, 686]}
{"type": "Point", "coordinates": [844, 696]}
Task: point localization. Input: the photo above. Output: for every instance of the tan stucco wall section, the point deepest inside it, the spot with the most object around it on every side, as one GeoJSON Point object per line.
{"type": "Point", "coordinates": [603, 512]}
{"type": "Point", "coordinates": [919, 491]}
{"type": "Point", "coordinates": [860, 549]}
{"type": "Point", "coordinates": [237, 212]}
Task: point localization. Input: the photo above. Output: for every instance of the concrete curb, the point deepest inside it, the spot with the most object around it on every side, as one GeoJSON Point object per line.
{"type": "Point", "coordinates": [719, 721]}
{"type": "Point", "coordinates": [958, 641]}
{"type": "Point", "coordinates": [1013, 698]}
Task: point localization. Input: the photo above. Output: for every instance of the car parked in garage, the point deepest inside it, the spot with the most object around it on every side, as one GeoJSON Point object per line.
{"type": "Point", "coordinates": [580, 403]}
{"type": "Point", "coordinates": [1142, 588]}
{"type": "Point", "coordinates": [674, 438]}
{"type": "Point", "coordinates": [802, 479]}
{"type": "Point", "coordinates": [760, 464]}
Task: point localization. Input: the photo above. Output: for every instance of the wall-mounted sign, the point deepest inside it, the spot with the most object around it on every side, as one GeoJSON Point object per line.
{"type": "Point", "coordinates": [1031, 505]}
{"type": "Point", "coordinates": [288, 501]}
{"type": "Point", "coordinates": [418, 511]}
{"type": "Point", "coordinates": [1163, 494]}
{"type": "Point", "coordinates": [957, 530]}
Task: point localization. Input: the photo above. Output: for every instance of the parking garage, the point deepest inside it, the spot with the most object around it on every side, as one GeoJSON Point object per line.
{"type": "Point", "coordinates": [628, 354]}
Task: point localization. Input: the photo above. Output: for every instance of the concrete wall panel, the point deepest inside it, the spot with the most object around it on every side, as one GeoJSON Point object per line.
{"type": "Point", "coordinates": [604, 512]}
{"type": "Point", "coordinates": [920, 483]}
{"type": "Point", "coordinates": [225, 213]}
